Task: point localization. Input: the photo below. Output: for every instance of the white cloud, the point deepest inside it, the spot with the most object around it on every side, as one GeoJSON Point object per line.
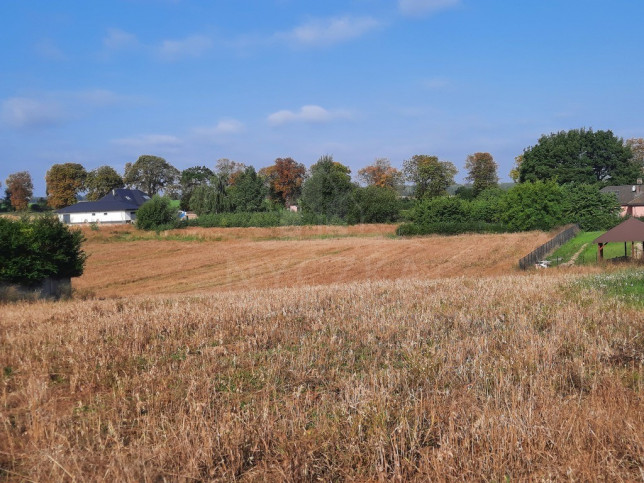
{"type": "Point", "coordinates": [223, 127]}
{"type": "Point", "coordinates": [118, 39]}
{"type": "Point", "coordinates": [423, 7]}
{"type": "Point", "coordinates": [193, 46]}
{"type": "Point", "coordinates": [23, 112]}
{"type": "Point", "coordinates": [150, 141]}
{"type": "Point", "coordinates": [329, 31]}
{"type": "Point", "coordinates": [308, 114]}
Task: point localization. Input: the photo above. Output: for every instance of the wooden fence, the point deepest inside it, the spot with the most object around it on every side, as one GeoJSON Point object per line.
{"type": "Point", "coordinates": [539, 253]}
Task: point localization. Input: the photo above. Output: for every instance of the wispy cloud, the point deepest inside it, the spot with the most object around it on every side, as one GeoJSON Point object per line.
{"type": "Point", "coordinates": [222, 128]}
{"type": "Point", "coordinates": [192, 46]}
{"type": "Point", "coordinates": [117, 39]}
{"type": "Point", "coordinates": [24, 112]}
{"type": "Point", "coordinates": [321, 32]}
{"type": "Point", "coordinates": [150, 142]}
{"type": "Point", "coordinates": [55, 107]}
{"type": "Point", "coordinates": [307, 114]}
{"type": "Point", "coordinates": [47, 49]}
{"type": "Point", "coordinates": [424, 7]}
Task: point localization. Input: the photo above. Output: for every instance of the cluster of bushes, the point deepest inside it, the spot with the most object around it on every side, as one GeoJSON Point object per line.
{"type": "Point", "coordinates": [32, 250]}
{"type": "Point", "coordinates": [527, 206]}
{"type": "Point", "coordinates": [372, 204]}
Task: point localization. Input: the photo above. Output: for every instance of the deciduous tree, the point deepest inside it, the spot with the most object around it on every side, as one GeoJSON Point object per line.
{"type": "Point", "coordinates": [637, 148]}
{"type": "Point", "coordinates": [190, 179]}
{"type": "Point", "coordinates": [64, 182]}
{"type": "Point", "coordinates": [285, 179]}
{"type": "Point", "coordinates": [228, 170]}
{"type": "Point", "coordinates": [248, 194]}
{"type": "Point", "coordinates": [580, 156]}
{"type": "Point", "coordinates": [381, 174]}
{"type": "Point", "coordinates": [328, 190]}
{"type": "Point", "coordinates": [101, 181]}
{"type": "Point", "coordinates": [481, 172]}
{"type": "Point", "coordinates": [515, 171]}
{"type": "Point", "coordinates": [212, 198]}
{"type": "Point", "coordinates": [430, 176]}
{"type": "Point", "coordinates": [150, 174]}
{"type": "Point", "coordinates": [21, 188]}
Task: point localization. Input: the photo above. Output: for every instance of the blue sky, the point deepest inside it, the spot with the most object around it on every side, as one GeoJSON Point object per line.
{"type": "Point", "coordinates": [104, 82]}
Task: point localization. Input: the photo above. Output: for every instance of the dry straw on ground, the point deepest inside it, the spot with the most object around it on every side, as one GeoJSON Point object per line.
{"type": "Point", "coordinates": [517, 377]}
{"type": "Point", "coordinates": [242, 258]}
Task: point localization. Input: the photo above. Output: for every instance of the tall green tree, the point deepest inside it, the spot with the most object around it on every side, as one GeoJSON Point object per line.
{"type": "Point", "coordinates": [21, 188]}
{"type": "Point", "coordinates": [328, 190]}
{"type": "Point", "coordinates": [151, 174]}
{"type": "Point", "coordinates": [430, 176]}
{"type": "Point", "coordinates": [591, 209]}
{"type": "Point", "coordinates": [580, 156]}
{"type": "Point", "coordinates": [212, 198]}
{"type": "Point", "coordinates": [190, 179]}
{"type": "Point", "coordinates": [248, 194]}
{"type": "Point", "coordinates": [101, 181]}
{"type": "Point", "coordinates": [481, 172]}
{"type": "Point", "coordinates": [64, 182]}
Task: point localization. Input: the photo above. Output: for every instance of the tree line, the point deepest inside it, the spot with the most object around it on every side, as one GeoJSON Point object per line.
{"type": "Point", "coordinates": [579, 157]}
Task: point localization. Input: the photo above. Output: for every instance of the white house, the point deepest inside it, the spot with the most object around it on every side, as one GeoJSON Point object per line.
{"type": "Point", "coordinates": [119, 206]}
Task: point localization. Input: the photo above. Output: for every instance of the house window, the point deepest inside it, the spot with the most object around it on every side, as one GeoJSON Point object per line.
{"type": "Point", "coordinates": [105, 214]}
{"type": "Point", "coordinates": [93, 214]}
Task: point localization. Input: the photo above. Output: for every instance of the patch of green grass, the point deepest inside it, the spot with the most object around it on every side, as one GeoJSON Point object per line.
{"type": "Point", "coordinates": [627, 285]}
{"type": "Point", "coordinates": [589, 255]}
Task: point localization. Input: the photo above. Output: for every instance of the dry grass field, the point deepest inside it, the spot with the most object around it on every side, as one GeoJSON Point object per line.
{"type": "Point", "coordinates": [206, 260]}
{"type": "Point", "coordinates": [399, 375]}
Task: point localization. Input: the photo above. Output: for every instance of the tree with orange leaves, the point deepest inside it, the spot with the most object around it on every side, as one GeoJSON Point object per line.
{"type": "Point", "coordinates": [285, 179]}
{"type": "Point", "coordinates": [381, 174]}
{"type": "Point", "coordinates": [21, 188]}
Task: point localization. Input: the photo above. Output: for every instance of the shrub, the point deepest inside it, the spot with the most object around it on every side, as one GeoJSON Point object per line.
{"type": "Point", "coordinates": [591, 209]}
{"type": "Point", "coordinates": [534, 206]}
{"type": "Point", "coordinates": [155, 214]}
{"type": "Point", "coordinates": [33, 250]}
{"type": "Point", "coordinates": [374, 204]}
{"type": "Point", "coordinates": [262, 219]}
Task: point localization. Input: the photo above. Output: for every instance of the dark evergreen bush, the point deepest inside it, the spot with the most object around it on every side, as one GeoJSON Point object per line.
{"type": "Point", "coordinates": [33, 250]}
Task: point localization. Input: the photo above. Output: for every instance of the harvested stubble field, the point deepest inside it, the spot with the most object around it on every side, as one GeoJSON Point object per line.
{"type": "Point", "coordinates": [469, 378]}
{"type": "Point", "coordinates": [125, 262]}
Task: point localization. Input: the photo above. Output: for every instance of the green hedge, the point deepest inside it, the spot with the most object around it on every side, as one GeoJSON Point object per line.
{"type": "Point", "coordinates": [447, 228]}
{"type": "Point", "coordinates": [262, 219]}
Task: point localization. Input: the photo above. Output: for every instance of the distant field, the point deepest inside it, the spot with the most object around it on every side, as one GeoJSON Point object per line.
{"type": "Point", "coordinates": [124, 261]}
{"type": "Point", "coordinates": [510, 378]}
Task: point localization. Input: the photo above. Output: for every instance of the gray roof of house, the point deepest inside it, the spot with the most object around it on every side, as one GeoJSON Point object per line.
{"type": "Point", "coordinates": [626, 195]}
{"type": "Point", "coordinates": [118, 200]}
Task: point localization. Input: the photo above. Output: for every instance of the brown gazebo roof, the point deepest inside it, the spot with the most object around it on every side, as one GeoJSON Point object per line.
{"type": "Point", "coordinates": [631, 230]}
